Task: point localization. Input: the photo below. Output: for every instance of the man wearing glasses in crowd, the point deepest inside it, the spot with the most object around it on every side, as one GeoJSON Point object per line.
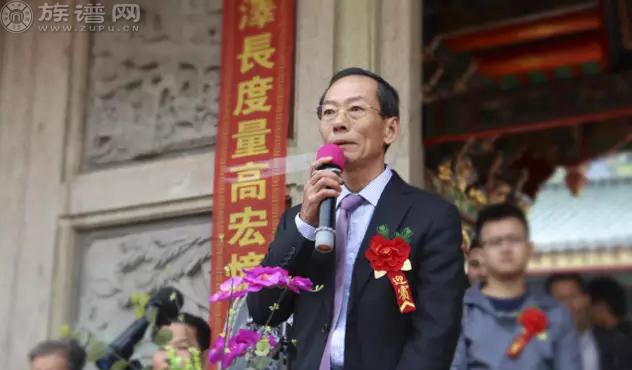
{"type": "Point", "coordinates": [508, 325]}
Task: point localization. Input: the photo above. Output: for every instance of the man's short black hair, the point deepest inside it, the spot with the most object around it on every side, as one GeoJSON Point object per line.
{"type": "Point", "coordinates": [202, 330]}
{"type": "Point", "coordinates": [569, 276]}
{"type": "Point", "coordinates": [609, 291]}
{"type": "Point", "coordinates": [498, 212]}
{"type": "Point", "coordinates": [386, 94]}
{"type": "Point", "coordinates": [68, 348]}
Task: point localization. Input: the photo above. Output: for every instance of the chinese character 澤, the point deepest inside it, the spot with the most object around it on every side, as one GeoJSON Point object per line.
{"type": "Point", "coordinates": [252, 96]}
{"type": "Point", "coordinates": [257, 49]}
{"type": "Point", "coordinates": [251, 138]}
{"type": "Point", "coordinates": [245, 225]}
{"type": "Point", "coordinates": [249, 184]}
{"type": "Point", "coordinates": [126, 12]}
{"type": "Point", "coordinates": [256, 13]}
{"type": "Point", "coordinates": [90, 13]}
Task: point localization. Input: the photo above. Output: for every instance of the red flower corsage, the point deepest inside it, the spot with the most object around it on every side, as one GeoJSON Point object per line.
{"type": "Point", "coordinates": [534, 322]}
{"type": "Point", "coordinates": [390, 257]}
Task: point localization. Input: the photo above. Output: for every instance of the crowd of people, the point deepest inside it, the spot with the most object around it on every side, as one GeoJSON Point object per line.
{"type": "Point", "coordinates": [189, 334]}
{"type": "Point", "coordinates": [401, 302]}
{"type": "Point", "coordinates": [586, 327]}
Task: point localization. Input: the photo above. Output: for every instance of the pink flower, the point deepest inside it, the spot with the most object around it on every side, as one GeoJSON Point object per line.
{"type": "Point", "coordinates": [216, 353]}
{"type": "Point", "coordinates": [298, 283]}
{"type": "Point", "coordinates": [237, 346]}
{"type": "Point", "coordinates": [265, 277]}
{"type": "Point", "coordinates": [232, 288]}
{"type": "Point", "coordinates": [273, 340]}
{"type": "Point", "coordinates": [240, 344]}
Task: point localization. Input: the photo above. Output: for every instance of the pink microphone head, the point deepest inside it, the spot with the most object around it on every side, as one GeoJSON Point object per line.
{"type": "Point", "coordinates": [334, 151]}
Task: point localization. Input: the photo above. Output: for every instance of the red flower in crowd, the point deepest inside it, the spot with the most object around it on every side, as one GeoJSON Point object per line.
{"type": "Point", "coordinates": [533, 320]}
{"type": "Point", "coordinates": [387, 254]}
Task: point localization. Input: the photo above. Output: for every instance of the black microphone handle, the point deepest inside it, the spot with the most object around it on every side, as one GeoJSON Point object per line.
{"type": "Point", "coordinates": [123, 346]}
{"type": "Point", "coordinates": [326, 230]}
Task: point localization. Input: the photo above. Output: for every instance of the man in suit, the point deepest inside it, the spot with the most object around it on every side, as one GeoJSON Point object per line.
{"type": "Point", "coordinates": [355, 322]}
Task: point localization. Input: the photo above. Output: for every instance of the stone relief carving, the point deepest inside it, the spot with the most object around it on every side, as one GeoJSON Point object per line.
{"type": "Point", "coordinates": [117, 262]}
{"type": "Point", "coordinates": [154, 92]}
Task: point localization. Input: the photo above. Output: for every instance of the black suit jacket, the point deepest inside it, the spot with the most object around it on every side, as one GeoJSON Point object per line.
{"type": "Point", "coordinates": [377, 336]}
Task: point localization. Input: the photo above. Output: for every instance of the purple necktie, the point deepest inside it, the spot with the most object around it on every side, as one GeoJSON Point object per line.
{"type": "Point", "coordinates": [347, 206]}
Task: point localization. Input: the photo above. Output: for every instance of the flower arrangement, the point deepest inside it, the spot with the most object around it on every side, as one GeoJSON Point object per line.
{"type": "Point", "coordinates": [254, 344]}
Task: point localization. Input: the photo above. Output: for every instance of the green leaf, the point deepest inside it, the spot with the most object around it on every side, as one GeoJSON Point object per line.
{"type": "Point", "coordinates": [262, 348]}
{"type": "Point", "coordinates": [383, 230]}
{"type": "Point", "coordinates": [139, 301]}
{"type": "Point", "coordinates": [318, 288]}
{"type": "Point", "coordinates": [163, 337]}
{"type": "Point", "coordinates": [407, 234]}
{"type": "Point", "coordinates": [96, 350]}
{"type": "Point", "coordinates": [119, 365]}
{"type": "Point", "coordinates": [260, 363]}
{"type": "Point", "coordinates": [65, 332]}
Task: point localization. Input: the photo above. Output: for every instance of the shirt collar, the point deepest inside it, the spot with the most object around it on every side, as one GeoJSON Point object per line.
{"type": "Point", "coordinates": [372, 192]}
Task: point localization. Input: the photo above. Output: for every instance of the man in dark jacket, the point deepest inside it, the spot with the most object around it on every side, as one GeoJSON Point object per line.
{"type": "Point", "coordinates": [358, 321]}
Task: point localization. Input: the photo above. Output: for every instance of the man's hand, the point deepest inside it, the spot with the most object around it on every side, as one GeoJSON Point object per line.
{"type": "Point", "coordinates": [321, 185]}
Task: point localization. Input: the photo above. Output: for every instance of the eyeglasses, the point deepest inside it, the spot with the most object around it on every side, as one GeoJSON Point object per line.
{"type": "Point", "coordinates": [354, 111]}
{"type": "Point", "coordinates": [511, 239]}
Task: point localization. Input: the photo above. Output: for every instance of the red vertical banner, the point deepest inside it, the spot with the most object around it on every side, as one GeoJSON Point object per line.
{"type": "Point", "coordinates": [254, 112]}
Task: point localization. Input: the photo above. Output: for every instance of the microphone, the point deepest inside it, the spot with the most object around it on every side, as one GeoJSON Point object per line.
{"type": "Point", "coordinates": [166, 303]}
{"type": "Point", "coordinates": [326, 232]}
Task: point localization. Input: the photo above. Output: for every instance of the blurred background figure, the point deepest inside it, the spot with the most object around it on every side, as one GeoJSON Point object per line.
{"type": "Point", "coordinates": [571, 290]}
{"type": "Point", "coordinates": [609, 305]}
{"type": "Point", "coordinates": [188, 332]}
{"type": "Point", "coordinates": [57, 355]}
{"type": "Point", "coordinates": [495, 307]}
{"type": "Point", "coordinates": [476, 272]}
{"type": "Point", "coordinates": [607, 313]}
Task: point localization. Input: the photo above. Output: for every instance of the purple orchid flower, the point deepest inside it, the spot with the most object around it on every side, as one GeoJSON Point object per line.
{"type": "Point", "coordinates": [298, 283]}
{"type": "Point", "coordinates": [232, 288]}
{"type": "Point", "coordinates": [240, 344]}
{"type": "Point", "coordinates": [261, 277]}
{"type": "Point", "coordinates": [237, 346]}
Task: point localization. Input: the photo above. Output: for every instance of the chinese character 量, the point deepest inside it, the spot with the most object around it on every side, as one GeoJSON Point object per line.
{"type": "Point", "coordinates": [256, 13]}
{"type": "Point", "coordinates": [257, 49]}
{"type": "Point", "coordinates": [249, 184]}
{"type": "Point", "coordinates": [251, 138]}
{"type": "Point", "coordinates": [252, 96]}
